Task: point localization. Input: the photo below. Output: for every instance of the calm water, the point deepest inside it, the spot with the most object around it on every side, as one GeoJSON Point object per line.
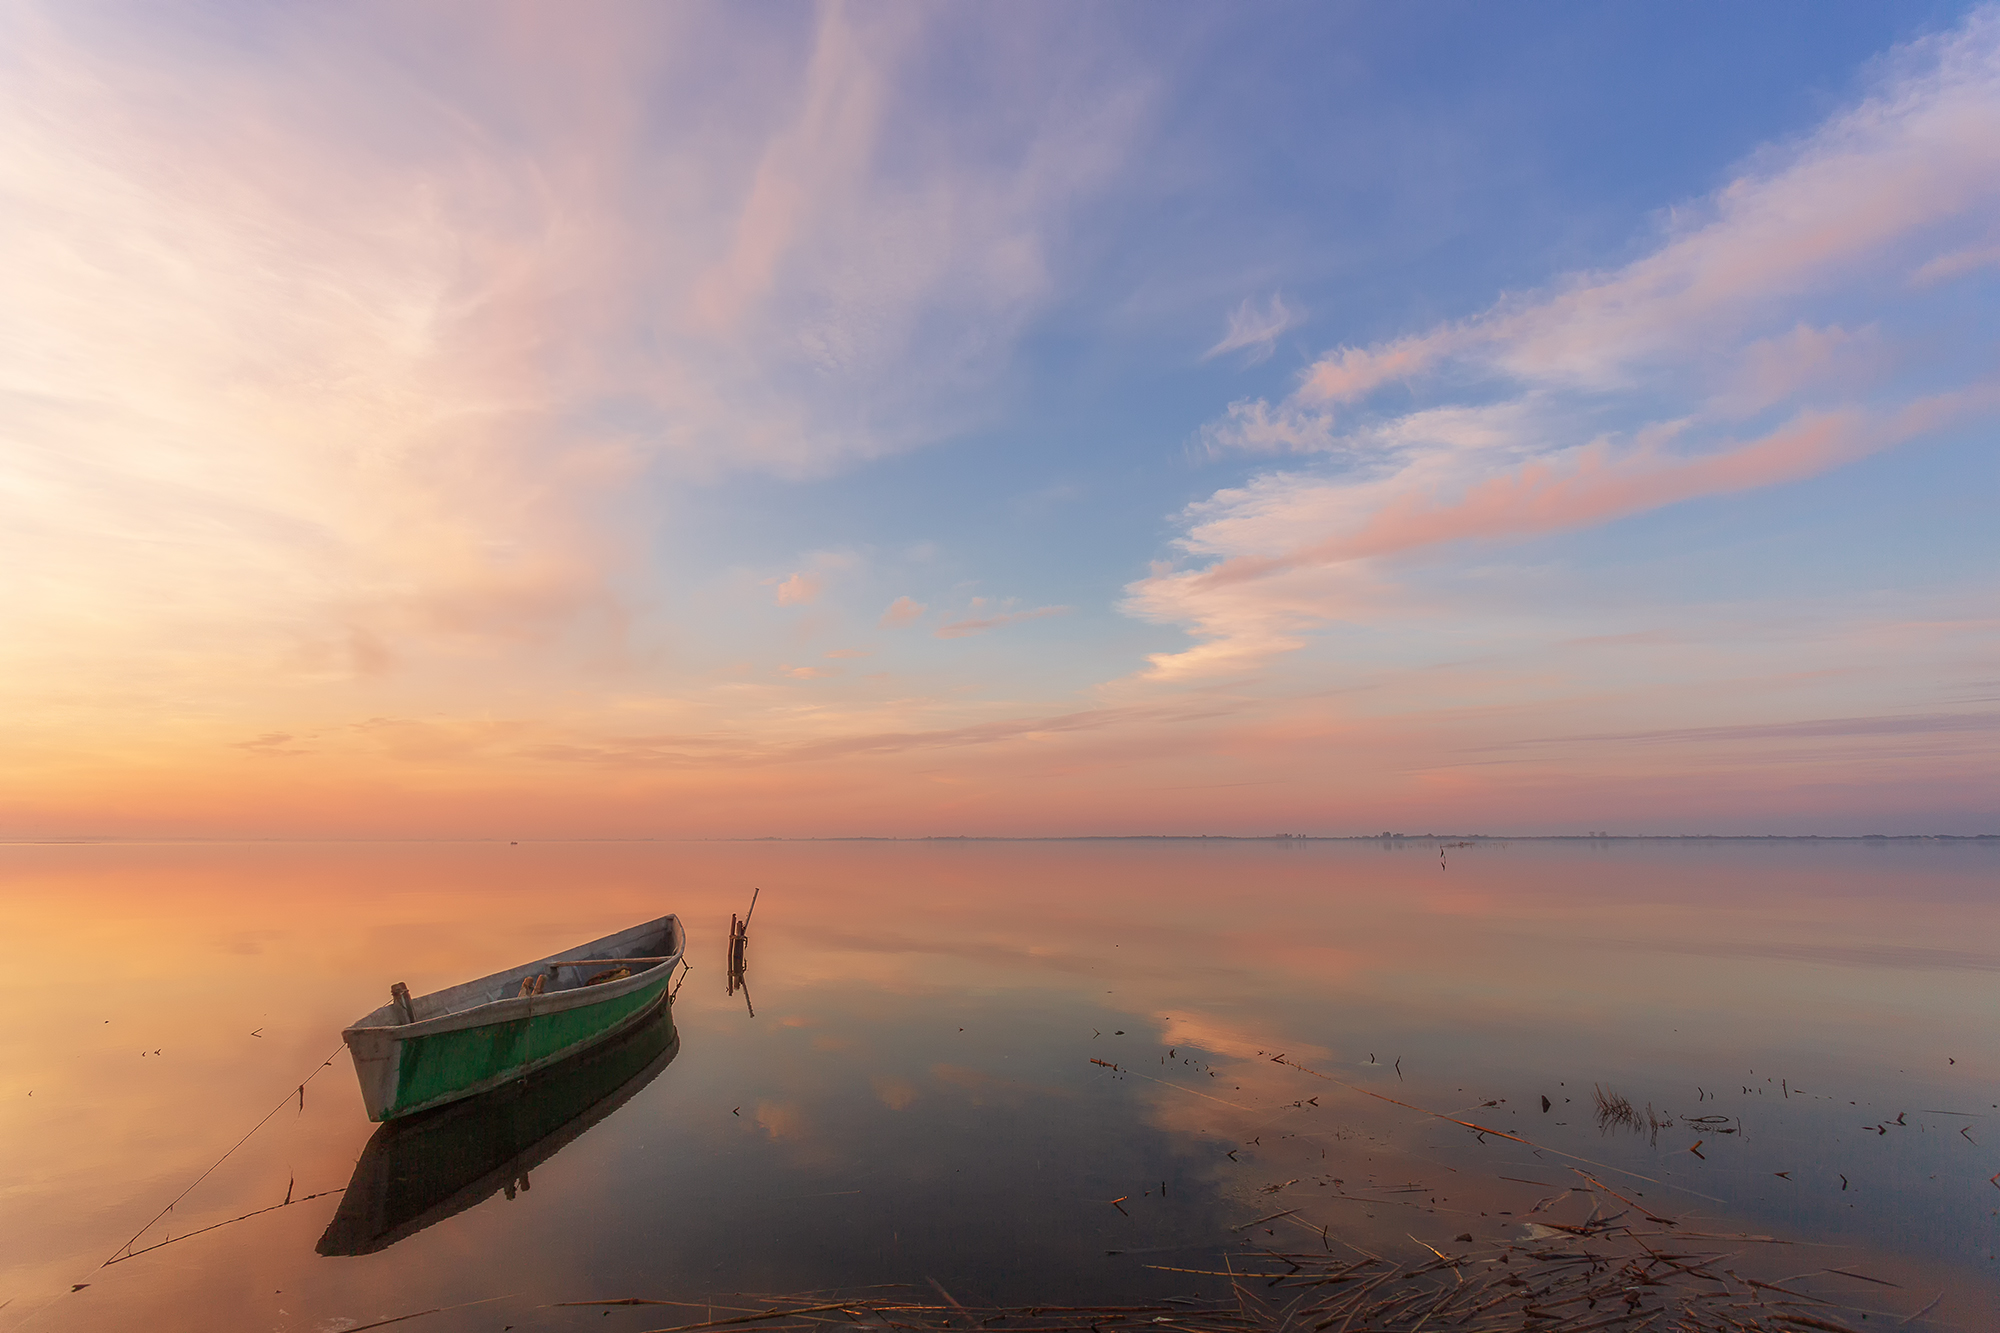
{"type": "Point", "coordinates": [916, 1096]}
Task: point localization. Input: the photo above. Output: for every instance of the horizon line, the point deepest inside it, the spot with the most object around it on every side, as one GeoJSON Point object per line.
{"type": "Point", "coordinates": [115, 839]}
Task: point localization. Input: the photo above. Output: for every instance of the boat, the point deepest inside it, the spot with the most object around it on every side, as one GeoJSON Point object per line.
{"type": "Point", "coordinates": [420, 1169]}
{"type": "Point", "coordinates": [417, 1052]}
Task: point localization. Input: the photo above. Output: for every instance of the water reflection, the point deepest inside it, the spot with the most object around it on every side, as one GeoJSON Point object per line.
{"type": "Point", "coordinates": [415, 1173]}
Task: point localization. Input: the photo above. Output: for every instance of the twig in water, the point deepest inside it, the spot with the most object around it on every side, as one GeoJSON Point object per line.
{"type": "Point", "coordinates": [418, 1314]}
{"type": "Point", "coordinates": [1613, 1111]}
{"type": "Point", "coordinates": [1921, 1313]}
{"type": "Point", "coordinates": [1272, 1218]}
{"type": "Point", "coordinates": [949, 1299]}
{"type": "Point", "coordinates": [748, 1318]}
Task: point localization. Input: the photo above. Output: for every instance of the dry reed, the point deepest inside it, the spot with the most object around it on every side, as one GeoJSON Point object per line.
{"type": "Point", "coordinates": [1614, 1112]}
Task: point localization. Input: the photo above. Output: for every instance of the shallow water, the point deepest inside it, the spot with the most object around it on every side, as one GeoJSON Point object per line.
{"type": "Point", "coordinates": [918, 1095]}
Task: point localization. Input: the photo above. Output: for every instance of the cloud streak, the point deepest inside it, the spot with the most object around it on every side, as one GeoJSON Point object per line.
{"type": "Point", "coordinates": [1814, 729]}
{"type": "Point", "coordinates": [967, 626]}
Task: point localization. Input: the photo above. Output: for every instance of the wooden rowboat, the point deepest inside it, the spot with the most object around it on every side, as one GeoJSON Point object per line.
{"type": "Point", "coordinates": [416, 1052]}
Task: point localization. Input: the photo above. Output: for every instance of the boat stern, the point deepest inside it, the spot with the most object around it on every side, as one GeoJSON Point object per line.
{"type": "Point", "coordinates": [377, 1061]}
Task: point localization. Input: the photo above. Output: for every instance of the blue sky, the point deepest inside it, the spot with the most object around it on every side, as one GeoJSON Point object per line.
{"type": "Point", "coordinates": [1376, 174]}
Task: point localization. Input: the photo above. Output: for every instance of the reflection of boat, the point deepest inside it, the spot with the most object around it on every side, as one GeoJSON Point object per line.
{"type": "Point", "coordinates": [428, 1167]}
{"type": "Point", "coordinates": [422, 1051]}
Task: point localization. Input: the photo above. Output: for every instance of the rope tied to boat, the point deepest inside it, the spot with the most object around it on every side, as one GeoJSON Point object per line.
{"type": "Point", "coordinates": [125, 1251]}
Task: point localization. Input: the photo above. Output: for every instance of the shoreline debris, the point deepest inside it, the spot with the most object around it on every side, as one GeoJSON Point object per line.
{"type": "Point", "coordinates": [1602, 1274]}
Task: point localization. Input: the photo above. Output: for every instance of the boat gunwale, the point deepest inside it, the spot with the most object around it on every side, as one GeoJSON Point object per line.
{"type": "Point", "coordinates": [511, 1008]}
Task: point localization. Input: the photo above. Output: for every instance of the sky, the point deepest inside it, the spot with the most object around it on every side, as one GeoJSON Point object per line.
{"type": "Point", "coordinates": [532, 420]}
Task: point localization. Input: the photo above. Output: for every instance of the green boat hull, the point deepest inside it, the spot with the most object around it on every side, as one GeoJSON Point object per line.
{"type": "Point", "coordinates": [448, 1065]}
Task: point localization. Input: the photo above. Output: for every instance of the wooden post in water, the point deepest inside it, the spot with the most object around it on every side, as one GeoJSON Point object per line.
{"type": "Point", "coordinates": [739, 947]}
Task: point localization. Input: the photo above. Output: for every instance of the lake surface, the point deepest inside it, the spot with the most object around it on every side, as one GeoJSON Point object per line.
{"type": "Point", "coordinates": [963, 1052]}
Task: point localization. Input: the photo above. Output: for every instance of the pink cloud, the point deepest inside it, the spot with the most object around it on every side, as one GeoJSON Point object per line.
{"type": "Point", "coordinates": [1586, 488]}
{"type": "Point", "coordinates": [1774, 369]}
{"type": "Point", "coordinates": [902, 611]}
{"type": "Point", "coordinates": [1957, 264]}
{"type": "Point", "coordinates": [1354, 372]}
{"type": "Point", "coordinates": [799, 589]}
{"type": "Point", "coordinates": [1247, 607]}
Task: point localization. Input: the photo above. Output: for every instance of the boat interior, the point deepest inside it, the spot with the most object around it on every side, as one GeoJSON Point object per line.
{"type": "Point", "coordinates": [642, 948]}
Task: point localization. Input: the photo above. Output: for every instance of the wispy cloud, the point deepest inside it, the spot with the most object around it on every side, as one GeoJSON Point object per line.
{"type": "Point", "coordinates": [343, 351]}
{"type": "Point", "coordinates": [1921, 724]}
{"type": "Point", "coordinates": [967, 626]}
{"type": "Point", "coordinates": [1256, 329]}
{"type": "Point", "coordinates": [271, 745]}
{"type": "Point", "coordinates": [1720, 361]}
{"type": "Point", "coordinates": [742, 748]}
